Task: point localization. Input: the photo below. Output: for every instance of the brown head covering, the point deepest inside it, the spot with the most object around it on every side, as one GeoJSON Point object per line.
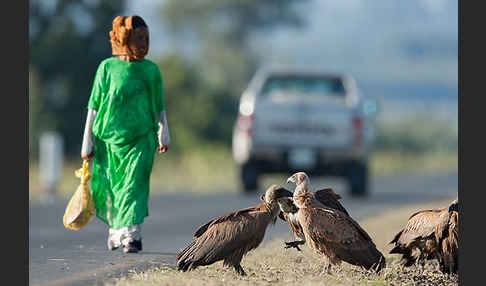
{"type": "Point", "coordinates": [125, 37]}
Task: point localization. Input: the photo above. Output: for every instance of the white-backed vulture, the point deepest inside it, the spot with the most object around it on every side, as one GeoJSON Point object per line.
{"type": "Point", "coordinates": [448, 237]}
{"type": "Point", "coordinates": [231, 236]}
{"type": "Point", "coordinates": [327, 197]}
{"type": "Point", "coordinates": [430, 234]}
{"type": "Point", "coordinates": [332, 233]}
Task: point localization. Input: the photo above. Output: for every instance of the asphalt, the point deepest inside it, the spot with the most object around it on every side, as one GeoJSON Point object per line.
{"type": "Point", "coordinates": [58, 256]}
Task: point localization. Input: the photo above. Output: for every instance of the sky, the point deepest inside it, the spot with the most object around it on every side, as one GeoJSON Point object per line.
{"type": "Point", "coordinates": [412, 40]}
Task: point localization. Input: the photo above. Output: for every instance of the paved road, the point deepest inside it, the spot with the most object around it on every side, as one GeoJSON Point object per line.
{"type": "Point", "coordinates": [58, 256]}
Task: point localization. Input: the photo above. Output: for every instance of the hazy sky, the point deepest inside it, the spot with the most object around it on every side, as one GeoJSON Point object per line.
{"type": "Point", "coordinates": [412, 40]}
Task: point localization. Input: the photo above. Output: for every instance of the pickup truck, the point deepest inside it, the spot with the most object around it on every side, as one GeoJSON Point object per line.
{"type": "Point", "coordinates": [290, 121]}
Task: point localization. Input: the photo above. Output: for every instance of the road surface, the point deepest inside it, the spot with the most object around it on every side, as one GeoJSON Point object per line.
{"type": "Point", "coordinates": [58, 256]}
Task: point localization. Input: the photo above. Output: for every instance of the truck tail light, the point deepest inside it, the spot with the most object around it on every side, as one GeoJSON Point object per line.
{"type": "Point", "coordinates": [357, 130]}
{"type": "Point", "coordinates": [245, 123]}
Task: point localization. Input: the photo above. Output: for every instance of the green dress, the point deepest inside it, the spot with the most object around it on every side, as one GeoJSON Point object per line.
{"type": "Point", "coordinates": [128, 96]}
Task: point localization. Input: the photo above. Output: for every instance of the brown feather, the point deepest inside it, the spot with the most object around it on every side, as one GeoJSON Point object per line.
{"type": "Point", "coordinates": [329, 199]}
{"type": "Point", "coordinates": [329, 230]}
{"type": "Point", "coordinates": [219, 219]}
{"type": "Point", "coordinates": [427, 235]}
{"type": "Point", "coordinates": [231, 236]}
{"type": "Point", "coordinates": [449, 245]}
{"type": "Point", "coordinates": [321, 198]}
{"type": "Point", "coordinates": [338, 237]}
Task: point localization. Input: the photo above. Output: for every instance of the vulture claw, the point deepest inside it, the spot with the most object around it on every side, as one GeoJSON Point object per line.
{"type": "Point", "coordinates": [294, 244]}
{"type": "Point", "coordinates": [240, 270]}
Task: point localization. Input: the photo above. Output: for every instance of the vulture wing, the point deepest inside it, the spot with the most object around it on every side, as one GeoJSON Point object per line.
{"type": "Point", "coordinates": [294, 225]}
{"type": "Point", "coordinates": [339, 235]}
{"type": "Point", "coordinates": [226, 237]}
{"type": "Point", "coordinates": [288, 213]}
{"type": "Point", "coordinates": [416, 240]}
{"type": "Point", "coordinates": [329, 199]}
{"type": "Point", "coordinates": [420, 225]}
{"type": "Point", "coordinates": [202, 229]}
{"type": "Point", "coordinates": [450, 246]}
{"type": "Point", "coordinates": [289, 202]}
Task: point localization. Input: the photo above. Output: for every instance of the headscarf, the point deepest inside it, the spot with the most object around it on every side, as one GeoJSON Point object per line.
{"type": "Point", "coordinates": [123, 34]}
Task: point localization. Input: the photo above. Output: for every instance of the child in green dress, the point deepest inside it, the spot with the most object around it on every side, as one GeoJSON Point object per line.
{"type": "Point", "coordinates": [125, 126]}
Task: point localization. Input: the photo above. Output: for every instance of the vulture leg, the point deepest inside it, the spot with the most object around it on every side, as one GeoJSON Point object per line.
{"type": "Point", "coordinates": [239, 270]}
{"type": "Point", "coordinates": [294, 244]}
{"type": "Point", "coordinates": [448, 266]}
{"type": "Point", "coordinates": [421, 264]}
{"type": "Point", "coordinates": [442, 264]}
{"type": "Point", "coordinates": [327, 267]}
{"type": "Point", "coordinates": [376, 266]}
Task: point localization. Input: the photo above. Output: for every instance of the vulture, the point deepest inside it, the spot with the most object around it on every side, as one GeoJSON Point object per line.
{"type": "Point", "coordinates": [327, 197]}
{"type": "Point", "coordinates": [430, 234]}
{"type": "Point", "coordinates": [331, 232]}
{"type": "Point", "coordinates": [231, 236]}
{"type": "Point", "coordinates": [449, 242]}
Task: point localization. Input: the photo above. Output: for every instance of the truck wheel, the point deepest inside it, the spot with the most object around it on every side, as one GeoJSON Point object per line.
{"type": "Point", "coordinates": [249, 177]}
{"type": "Point", "coordinates": [358, 180]}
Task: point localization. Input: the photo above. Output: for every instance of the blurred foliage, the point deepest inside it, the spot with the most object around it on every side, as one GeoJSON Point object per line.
{"type": "Point", "coordinates": [222, 30]}
{"type": "Point", "coordinates": [198, 114]}
{"type": "Point", "coordinates": [202, 91]}
{"type": "Point", "coordinates": [67, 41]}
{"type": "Point", "coordinates": [418, 134]}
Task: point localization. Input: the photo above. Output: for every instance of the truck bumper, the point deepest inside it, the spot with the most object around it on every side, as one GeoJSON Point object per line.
{"type": "Point", "coordinates": [325, 161]}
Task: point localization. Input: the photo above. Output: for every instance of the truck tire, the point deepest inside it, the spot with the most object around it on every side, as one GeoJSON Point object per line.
{"type": "Point", "coordinates": [358, 180]}
{"type": "Point", "coordinates": [249, 177]}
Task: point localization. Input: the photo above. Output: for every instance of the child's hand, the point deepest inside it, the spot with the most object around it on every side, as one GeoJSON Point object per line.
{"type": "Point", "coordinates": [162, 148]}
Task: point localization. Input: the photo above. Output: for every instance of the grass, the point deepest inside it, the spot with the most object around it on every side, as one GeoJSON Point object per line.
{"type": "Point", "coordinates": [202, 170]}
{"type": "Point", "coordinates": [385, 163]}
{"type": "Point", "coordinates": [208, 170]}
{"type": "Point", "coordinates": [271, 264]}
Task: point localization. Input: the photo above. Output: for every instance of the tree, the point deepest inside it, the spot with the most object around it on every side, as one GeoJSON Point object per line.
{"type": "Point", "coordinates": [67, 41]}
{"type": "Point", "coordinates": [222, 30]}
{"type": "Point", "coordinates": [197, 112]}
{"type": "Point", "coordinates": [219, 32]}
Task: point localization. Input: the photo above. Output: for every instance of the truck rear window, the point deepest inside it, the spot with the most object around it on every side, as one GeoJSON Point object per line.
{"type": "Point", "coordinates": [304, 85]}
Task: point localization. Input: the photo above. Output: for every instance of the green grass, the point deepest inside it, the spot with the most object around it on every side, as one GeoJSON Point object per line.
{"type": "Point", "coordinates": [271, 264]}
{"type": "Point", "coordinates": [203, 170]}
{"type": "Point", "coordinates": [385, 163]}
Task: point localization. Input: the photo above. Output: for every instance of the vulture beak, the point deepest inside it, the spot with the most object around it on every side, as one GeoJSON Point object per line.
{"type": "Point", "coordinates": [291, 180]}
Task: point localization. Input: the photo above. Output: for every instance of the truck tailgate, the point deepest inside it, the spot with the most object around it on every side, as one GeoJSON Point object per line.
{"type": "Point", "coordinates": [316, 123]}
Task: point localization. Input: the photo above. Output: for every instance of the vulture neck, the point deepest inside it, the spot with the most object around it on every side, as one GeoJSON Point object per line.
{"type": "Point", "coordinates": [300, 190]}
{"type": "Point", "coordinates": [272, 207]}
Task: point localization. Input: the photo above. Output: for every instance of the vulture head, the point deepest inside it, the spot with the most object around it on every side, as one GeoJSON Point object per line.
{"type": "Point", "coordinates": [298, 178]}
{"type": "Point", "coordinates": [272, 197]}
{"type": "Point", "coordinates": [285, 201]}
{"type": "Point", "coordinates": [301, 181]}
{"type": "Point", "coordinates": [454, 206]}
{"type": "Point", "coordinates": [274, 193]}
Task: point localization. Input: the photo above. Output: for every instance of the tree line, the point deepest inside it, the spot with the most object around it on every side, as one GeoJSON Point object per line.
{"type": "Point", "coordinates": [68, 39]}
